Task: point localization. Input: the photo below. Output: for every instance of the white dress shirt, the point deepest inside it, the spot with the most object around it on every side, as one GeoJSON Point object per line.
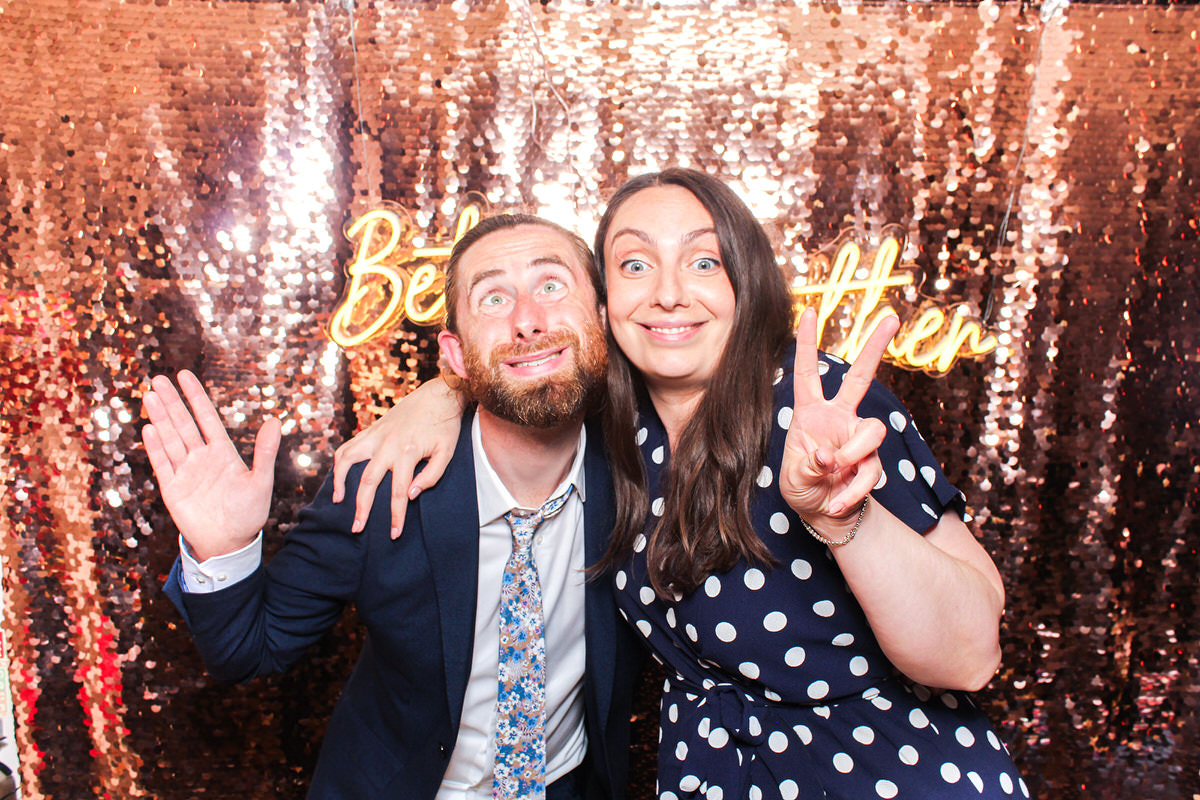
{"type": "Point", "coordinates": [559, 557]}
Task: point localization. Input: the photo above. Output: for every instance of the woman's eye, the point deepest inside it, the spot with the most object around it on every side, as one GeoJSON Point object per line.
{"type": "Point", "coordinates": [707, 265]}
{"type": "Point", "coordinates": [634, 266]}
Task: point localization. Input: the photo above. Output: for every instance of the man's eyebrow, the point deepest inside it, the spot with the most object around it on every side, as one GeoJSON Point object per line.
{"type": "Point", "coordinates": [540, 261]}
{"type": "Point", "coordinates": [554, 259]}
{"type": "Point", "coordinates": [482, 276]}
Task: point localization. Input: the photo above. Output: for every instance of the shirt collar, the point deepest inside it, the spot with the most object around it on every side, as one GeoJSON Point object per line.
{"type": "Point", "coordinates": [493, 496]}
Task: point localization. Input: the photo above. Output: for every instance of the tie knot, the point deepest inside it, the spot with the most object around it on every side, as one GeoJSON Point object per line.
{"type": "Point", "coordinates": [524, 524]}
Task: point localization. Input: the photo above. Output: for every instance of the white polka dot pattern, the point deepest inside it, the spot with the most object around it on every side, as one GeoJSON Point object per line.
{"type": "Point", "coordinates": [754, 579]}
{"type": "Point", "coordinates": [765, 477]}
{"type": "Point", "coordinates": [775, 621]}
{"type": "Point", "coordinates": [761, 645]}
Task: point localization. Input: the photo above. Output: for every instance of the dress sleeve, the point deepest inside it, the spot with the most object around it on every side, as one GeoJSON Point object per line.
{"type": "Point", "coordinates": [913, 486]}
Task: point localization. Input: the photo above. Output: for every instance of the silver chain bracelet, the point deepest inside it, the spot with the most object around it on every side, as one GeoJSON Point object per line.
{"type": "Point", "coordinates": [861, 513]}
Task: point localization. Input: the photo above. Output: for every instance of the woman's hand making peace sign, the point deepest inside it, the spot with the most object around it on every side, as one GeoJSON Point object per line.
{"type": "Point", "coordinates": [830, 461]}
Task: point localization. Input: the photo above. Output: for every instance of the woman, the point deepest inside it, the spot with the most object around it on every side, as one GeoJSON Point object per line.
{"type": "Point", "coordinates": [799, 621]}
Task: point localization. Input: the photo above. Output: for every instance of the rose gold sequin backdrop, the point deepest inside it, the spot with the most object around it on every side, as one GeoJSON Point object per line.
{"type": "Point", "coordinates": [175, 176]}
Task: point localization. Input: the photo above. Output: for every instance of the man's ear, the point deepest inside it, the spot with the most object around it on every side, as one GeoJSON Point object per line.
{"type": "Point", "coordinates": [603, 317]}
{"type": "Point", "coordinates": [452, 351]}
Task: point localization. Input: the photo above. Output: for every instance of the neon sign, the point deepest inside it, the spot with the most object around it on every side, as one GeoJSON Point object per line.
{"type": "Point", "coordinates": [391, 280]}
{"type": "Point", "coordinates": [931, 339]}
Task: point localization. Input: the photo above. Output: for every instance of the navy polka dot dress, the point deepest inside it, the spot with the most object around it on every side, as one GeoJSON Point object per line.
{"type": "Point", "coordinates": [776, 686]}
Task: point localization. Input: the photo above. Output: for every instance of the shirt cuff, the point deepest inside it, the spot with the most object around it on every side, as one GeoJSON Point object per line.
{"type": "Point", "coordinates": [218, 572]}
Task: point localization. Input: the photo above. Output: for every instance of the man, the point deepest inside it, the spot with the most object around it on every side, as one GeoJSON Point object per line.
{"type": "Point", "coordinates": [452, 688]}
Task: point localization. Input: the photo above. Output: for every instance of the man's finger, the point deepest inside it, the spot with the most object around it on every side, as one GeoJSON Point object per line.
{"type": "Point", "coordinates": [177, 412]}
{"type": "Point", "coordinates": [266, 447]}
{"type": "Point", "coordinates": [204, 411]}
{"type": "Point", "coordinates": [160, 462]}
{"type": "Point", "coordinates": [166, 437]}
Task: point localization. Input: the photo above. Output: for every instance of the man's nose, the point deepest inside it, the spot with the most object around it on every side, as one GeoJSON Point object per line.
{"type": "Point", "coordinates": [528, 318]}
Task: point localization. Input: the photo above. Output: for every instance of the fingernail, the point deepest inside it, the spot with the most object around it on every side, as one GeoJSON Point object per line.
{"type": "Point", "coordinates": [357, 526]}
{"type": "Point", "coordinates": [337, 497]}
{"type": "Point", "coordinates": [413, 492]}
{"type": "Point", "coordinates": [395, 533]}
{"type": "Point", "coordinates": [836, 508]}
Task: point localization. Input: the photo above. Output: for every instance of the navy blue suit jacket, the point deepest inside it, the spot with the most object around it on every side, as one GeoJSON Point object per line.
{"type": "Point", "coordinates": [395, 724]}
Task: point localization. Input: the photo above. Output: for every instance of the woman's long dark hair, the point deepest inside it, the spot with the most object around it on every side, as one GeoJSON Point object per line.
{"type": "Point", "coordinates": [706, 525]}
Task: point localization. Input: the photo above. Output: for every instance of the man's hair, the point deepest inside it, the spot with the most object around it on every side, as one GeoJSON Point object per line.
{"type": "Point", "coordinates": [505, 222]}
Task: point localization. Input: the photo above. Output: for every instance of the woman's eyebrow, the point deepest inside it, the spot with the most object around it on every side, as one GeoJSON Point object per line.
{"type": "Point", "coordinates": [687, 238]}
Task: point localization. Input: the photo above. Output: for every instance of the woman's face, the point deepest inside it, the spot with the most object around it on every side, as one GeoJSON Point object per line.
{"type": "Point", "coordinates": [670, 303]}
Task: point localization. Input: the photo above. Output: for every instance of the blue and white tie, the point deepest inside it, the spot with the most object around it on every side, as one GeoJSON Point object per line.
{"type": "Point", "coordinates": [520, 769]}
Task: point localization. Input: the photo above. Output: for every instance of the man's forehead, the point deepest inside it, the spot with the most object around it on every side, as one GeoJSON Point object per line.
{"type": "Point", "coordinates": [522, 246]}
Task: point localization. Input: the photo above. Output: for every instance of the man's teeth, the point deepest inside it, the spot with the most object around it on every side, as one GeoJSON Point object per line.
{"type": "Point", "coordinates": [536, 362]}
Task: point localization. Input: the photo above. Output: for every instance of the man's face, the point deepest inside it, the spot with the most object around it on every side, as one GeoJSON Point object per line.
{"type": "Point", "coordinates": [530, 343]}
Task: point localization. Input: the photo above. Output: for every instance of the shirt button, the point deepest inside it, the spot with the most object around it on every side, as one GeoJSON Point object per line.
{"type": "Point", "coordinates": [200, 579]}
{"type": "Point", "coordinates": [222, 577]}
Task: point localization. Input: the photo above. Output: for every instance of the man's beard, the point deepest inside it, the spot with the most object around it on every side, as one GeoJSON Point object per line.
{"type": "Point", "coordinates": [545, 402]}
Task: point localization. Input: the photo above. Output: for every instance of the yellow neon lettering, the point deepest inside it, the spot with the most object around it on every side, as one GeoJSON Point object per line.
{"type": "Point", "coordinates": [380, 292]}
{"type": "Point", "coordinates": [925, 326]}
{"type": "Point", "coordinates": [422, 286]}
{"type": "Point", "coordinates": [964, 331]}
{"type": "Point", "coordinates": [926, 342]}
{"type": "Point", "coordinates": [366, 264]}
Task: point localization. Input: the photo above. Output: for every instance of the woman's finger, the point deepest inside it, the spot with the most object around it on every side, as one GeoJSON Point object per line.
{"type": "Point", "coordinates": [858, 488]}
{"type": "Point", "coordinates": [368, 483]}
{"type": "Point", "coordinates": [806, 379]}
{"type": "Point", "coordinates": [862, 371]}
{"type": "Point", "coordinates": [344, 457]}
{"type": "Point", "coordinates": [864, 441]}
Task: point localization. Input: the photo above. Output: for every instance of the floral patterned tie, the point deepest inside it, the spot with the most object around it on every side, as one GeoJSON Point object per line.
{"type": "Point", "coordinates": [520, 769]}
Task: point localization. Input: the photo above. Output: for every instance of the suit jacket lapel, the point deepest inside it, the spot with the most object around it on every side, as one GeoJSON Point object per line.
{"type": "Point", "coordinates": [600, 615]}
{"type": "Point", "coordinates": [450, 530]}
